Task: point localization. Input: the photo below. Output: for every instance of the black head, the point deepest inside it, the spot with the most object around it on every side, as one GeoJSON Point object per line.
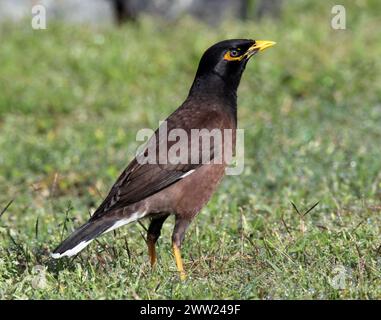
{"type": "Point", "coordinates": [226, 61]}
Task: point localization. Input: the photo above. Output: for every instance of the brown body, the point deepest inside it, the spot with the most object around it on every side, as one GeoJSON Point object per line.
{"type": "Point", "coordinates": [188, 195]}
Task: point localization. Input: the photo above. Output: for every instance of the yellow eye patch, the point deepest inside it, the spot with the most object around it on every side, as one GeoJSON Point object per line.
{"type": "Point", "coordinates": [233, 55]}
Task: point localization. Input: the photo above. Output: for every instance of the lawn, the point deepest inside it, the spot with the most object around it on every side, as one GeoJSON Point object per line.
{"type": "Point", "coordinates": [73, 97]}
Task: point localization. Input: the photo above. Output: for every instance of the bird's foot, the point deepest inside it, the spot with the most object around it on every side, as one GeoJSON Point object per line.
{"type": "Point", "coordinates": [179, 262]}
{"type": "Point", "coordinates": [152, 252]}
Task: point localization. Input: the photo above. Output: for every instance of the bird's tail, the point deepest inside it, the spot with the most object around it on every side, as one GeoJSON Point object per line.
{"type": "Point", "coordinates": [95, 227]}
{"type": "Point", "coordinates": [82, 237]}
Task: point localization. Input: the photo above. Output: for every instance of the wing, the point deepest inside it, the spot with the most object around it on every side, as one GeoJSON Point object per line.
{"type": "Point", "coordinates": [139, 181]}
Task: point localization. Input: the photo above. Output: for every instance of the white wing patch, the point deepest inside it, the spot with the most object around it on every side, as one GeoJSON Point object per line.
{"type": "Point", "coordinates": [135, 216]}
{"type": "Point", "coordinates": [187, 173]}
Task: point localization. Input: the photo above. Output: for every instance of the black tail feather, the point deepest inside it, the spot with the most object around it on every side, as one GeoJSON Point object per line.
{"type": "Point", "coordinates": [80, 238]}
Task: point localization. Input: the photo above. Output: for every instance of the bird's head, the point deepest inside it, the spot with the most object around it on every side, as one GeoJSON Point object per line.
{"type": "Point", "coordinates": [227, 59]}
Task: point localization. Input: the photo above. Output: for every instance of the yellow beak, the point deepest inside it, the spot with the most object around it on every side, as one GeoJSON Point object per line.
{"type": "Point", "coordinates": [261, 45]}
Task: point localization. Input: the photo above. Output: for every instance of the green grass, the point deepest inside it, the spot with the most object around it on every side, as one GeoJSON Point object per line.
{"type": "Point", "coordinates": [72, 99]}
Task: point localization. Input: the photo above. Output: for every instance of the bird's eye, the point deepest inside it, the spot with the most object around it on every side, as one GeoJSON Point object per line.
{"type": "Point", "coordinates": [234, 53]}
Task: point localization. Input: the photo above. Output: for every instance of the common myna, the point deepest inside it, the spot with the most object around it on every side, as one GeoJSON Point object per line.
{"type": "Point", "coordinates": [156, 189]}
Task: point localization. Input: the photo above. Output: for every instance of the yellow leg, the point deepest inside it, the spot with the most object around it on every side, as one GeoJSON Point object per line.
{"type": "Point", "coordinates": [152, 252]}
{"type": "Point", "coordinates": [179, 262]}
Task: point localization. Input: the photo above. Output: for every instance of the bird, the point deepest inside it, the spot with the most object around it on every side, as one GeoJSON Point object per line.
{"type": "Point", "coordinates": [162, 186]}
